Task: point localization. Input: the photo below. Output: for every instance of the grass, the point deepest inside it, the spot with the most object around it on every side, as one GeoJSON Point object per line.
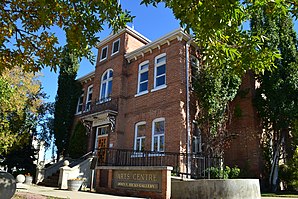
{"type": "Point", "coordinates": [16, 196]}
{"type": "Point", "coordinates": [280, 195]}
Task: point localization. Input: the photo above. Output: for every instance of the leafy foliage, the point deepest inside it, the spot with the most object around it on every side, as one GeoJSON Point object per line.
{"type": "Point", "coordinates": [215, 88]}
{"type": "Point", "coordinates": [224, 173]}
{"type": "Point", "coordinates": [21, 158]}
{"type": "Point", "coordinates": [219, 28]}
{"type": "Point", "coordinates": [277, 97]}
{"type": "Point", "coordinates": [27, 39]}
{"type": "Point", "coordinates": [78, 141]}
{"type": "Point", "coordinates": [66, 100]}
{"type": "Point", "coordinates": [289, 173]}
{"type": "Point", "coordinates": [19, 106]}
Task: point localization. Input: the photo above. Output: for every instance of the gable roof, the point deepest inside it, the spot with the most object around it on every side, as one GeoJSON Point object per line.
{"type": "Point", "coordinates": [126, 29]}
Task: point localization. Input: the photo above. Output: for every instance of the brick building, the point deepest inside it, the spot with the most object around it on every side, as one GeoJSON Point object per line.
{"type": "Point", "coordinates": [138, 98]}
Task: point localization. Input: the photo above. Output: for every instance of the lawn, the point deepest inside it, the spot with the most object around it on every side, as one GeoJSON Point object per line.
{"type": "Point", "coordinates": [280, 195]}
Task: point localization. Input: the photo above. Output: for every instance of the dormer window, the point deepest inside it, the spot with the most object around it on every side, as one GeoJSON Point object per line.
{"type": "Point", "coordinates": [116, 46]}
{"type": "Point", "coordinates": [104, 53]}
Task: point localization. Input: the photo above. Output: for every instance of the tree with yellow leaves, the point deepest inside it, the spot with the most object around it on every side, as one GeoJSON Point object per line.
{"type": "Point", "coordinates": [20, 98]}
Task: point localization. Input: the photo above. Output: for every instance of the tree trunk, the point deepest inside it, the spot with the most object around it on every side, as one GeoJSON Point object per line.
{"type": "Point", "coordinates": [273, 178]}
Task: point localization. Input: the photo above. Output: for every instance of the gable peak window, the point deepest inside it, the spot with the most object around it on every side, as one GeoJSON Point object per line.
{"type": "Point", "coordinates": [116, 46]}
{"type": "Point", "coordinates": [160, 72]}
{"type": "Point", "coordinates": [106, 86]}
{"type": "Point", "coordinates": [104, 53]}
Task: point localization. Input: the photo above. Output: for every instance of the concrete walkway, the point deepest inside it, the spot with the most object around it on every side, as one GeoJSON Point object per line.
{"type": "Point", "coordinates": [55, 192]}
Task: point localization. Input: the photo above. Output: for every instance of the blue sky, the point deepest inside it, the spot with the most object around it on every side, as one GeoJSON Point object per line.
{"type": "Point", "coordinates": [150, 21]}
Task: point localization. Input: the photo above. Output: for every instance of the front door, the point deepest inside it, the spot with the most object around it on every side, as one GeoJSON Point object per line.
{"type": "Point", "coordinates": [102, 144]}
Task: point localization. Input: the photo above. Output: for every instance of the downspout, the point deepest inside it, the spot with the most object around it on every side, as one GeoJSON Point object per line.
{"type": "Point", "coordinates": [188, 166]}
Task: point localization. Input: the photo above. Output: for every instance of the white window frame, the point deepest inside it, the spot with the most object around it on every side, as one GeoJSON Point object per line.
{"type": "Point", "coordinates": [89, 91]}
{"type": "Point", "coordinates": [80, 104]}
{"type": "Point", "coordinates": [158, 136]}
{"type": "Point", "coordinates": [113, 53]}
{"type": "Point", "coordinates": [156, 65]}
{"type": "Point", "coordinates": [106, 98]}
{"type": "Point", "coordinates": [141, 138]}
{"type": "Point", "coordinates": [139, 78]}
{"type": "Point", "coordinates": [101, 54]}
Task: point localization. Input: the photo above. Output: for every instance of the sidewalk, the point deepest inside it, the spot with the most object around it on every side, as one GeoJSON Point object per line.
{"type": "Point", "coordinates": [55, 192]}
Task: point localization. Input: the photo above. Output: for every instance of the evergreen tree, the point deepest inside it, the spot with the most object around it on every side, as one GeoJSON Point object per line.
{"type": "Point", "coordinates": [277, 96]}
{"type": "Point", "coordinates": [78, 141]}
{"type": "Point", "coordinates": [66, 101]}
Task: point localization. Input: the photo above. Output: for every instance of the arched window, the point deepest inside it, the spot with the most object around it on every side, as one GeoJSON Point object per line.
{"type": "Point", "coordinates": [106, 86]}
{"type": "Point", "coordinates": [158, 135]}
{"type": "Point", "coordinates": [140, 131]}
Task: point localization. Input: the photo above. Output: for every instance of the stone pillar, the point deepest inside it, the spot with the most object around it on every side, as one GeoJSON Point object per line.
{"type": "Point", "coordinates": [39, 177]}
{"type": "Point", "coordinates": [64, 175]}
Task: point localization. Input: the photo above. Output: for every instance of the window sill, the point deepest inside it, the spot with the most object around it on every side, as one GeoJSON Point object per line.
{"type": "Point", "coordinates": [137, 155]}
{"type": "Point", "coordinates": [157, 154]}
{"type": "Point", "coordinates": [159, 88]}
{"type": "Point", "coordinates": [78, 113]}
{"type": "Point", "coordinates": [101, 60]}
{"type": "Point", "coordinates": [104, 101]}
{"type": "Point", "coordinates": [114, 53]}
{"type": "Point", "coordinates": [141, 93]}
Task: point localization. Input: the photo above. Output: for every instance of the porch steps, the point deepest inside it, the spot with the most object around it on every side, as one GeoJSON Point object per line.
{"type": "Point", "coordinates": [51, 181]}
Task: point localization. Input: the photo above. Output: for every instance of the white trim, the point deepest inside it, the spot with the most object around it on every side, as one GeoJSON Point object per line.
{"type": "Point", "coordinates": [139, 77]}
{"type": "Point", "coordinates": [113, 53]}
{"type": "Point", "coordinates": [159, 88]}
{"type": "Point", "coordinates": [88, 76]}
{"type": "Point", "coordinates": [87, 97]}
{"type": "Point", "coordinates": [158, 136]}
{"type": "Point", "coordinates": [156, 65]}
{"type": "Point", "coordinates": [136, 128]}
{"type": "Point", "coordinates": [77, 109]}
{"type": "Point", "coordinates": [141, 93]}
{"type": "Point", "coordinates": [178, 33]}
{"type": "Point", "coordinates": [101, 58]}
{"type": "Point", "coordinates": [126, 29]}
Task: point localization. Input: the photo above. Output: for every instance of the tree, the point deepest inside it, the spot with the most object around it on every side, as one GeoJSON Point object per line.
{"type": "Point", "coordinates": [66, 101]}
{"type": "Point", "coordinates": [217, 26]}
{"type": "Point", "coordinates": [277, 96]}
{"type": "Point", "coordinates": [26, 37]}
{"type": "Point", "coordinates": [215, 89]}
{"type": "Point", "coordinates": [21, 158]}
{"type": "Point", "coordinates": [20, 100]}
{"type": "Point", "coordinates": [78, 141]}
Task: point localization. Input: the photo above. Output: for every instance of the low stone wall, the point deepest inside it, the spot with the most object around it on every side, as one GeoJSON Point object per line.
{"type": "Point", "coordinates": [216, 188]}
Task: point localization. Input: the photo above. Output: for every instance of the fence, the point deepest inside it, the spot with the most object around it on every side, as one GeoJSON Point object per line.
{"type": "Point", "coordinates": [190, 165]}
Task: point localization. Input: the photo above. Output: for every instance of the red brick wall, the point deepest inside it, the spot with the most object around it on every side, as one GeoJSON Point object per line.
{"type": "Point", "coordinates": [165, 103]}
{"type": "Point", "coordinates": [245, 150]}
{"type": "Point", "coordinates": [169, 103]}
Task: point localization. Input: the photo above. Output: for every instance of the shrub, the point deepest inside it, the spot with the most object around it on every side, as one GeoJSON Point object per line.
{"type": "Point", "coordinates": [224, 173]}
